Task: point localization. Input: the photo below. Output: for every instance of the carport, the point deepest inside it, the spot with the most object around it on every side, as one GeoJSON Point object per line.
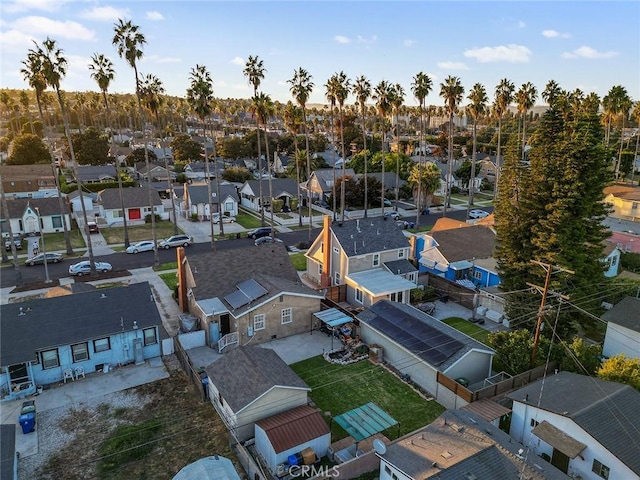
{"type": "Point", "coordinates": [333, 318]}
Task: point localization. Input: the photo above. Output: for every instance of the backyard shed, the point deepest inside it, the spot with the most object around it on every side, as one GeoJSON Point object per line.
{"type": "Point", "coordinates": [209, 468]}
{"type": "Point", "coordinates": [289, 433]}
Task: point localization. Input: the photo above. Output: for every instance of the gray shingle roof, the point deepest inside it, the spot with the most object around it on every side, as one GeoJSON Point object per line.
{"type": "Point", "coordinates": [625, 313]}
{"type": "Point", "coordinates": [389, 179]}
{"type": "Point", "coordinates": [246, 373]}
{"type": "Point", "coordinates": [198, 193]}
{"type": "Point", "coordinates": [400, 267]}
{"type": "Point", "coordinates": [465, 243]}
{"type": "Point", "coordinates": [47, 206]}
{"type": "Point", "coordinates": [280, 186]}
{"type": "Point", "coordinates": [325, 175]}
{"type": "Point", "coordinates": [96, 173]}
{"type": "Point", "coordinates": [217, 274]}
{"type": "Point", "coordinates": [607, 411]}
{"type": "Point", "coordinates": [51, 322]}
{"type": "Point", "coordinates": [132, 197]}
{"type": "Point", "coordinates": [374, 234]}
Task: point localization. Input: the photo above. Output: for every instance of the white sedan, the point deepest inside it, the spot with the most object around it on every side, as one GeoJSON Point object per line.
{"type": "Point", "coordinates": [478, 214]}
{"type": "Point", "coordinates": [144, 246]}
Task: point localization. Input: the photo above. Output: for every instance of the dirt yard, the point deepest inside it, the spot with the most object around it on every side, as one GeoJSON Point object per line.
{"type": "Point", "coordinates": [148, 432]}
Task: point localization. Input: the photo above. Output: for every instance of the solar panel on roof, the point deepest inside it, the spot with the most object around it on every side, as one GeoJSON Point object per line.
{"type": "Point", "coordinates": [252, 289]}
{"type": "Point", "coordinates": [237, 299]}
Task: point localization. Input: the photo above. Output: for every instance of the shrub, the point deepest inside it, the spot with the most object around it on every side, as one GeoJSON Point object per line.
{"type": "Point", "coordinates": [194, 217]}
{"type": "Point", "coordinates": [417, 295]}
{"type": "Point", "coordinates": [147, 218]}
{"type": "Point", "coordinates": [277, 205]}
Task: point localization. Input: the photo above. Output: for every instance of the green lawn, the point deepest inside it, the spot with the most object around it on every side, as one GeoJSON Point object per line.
{"type": "Point", "coordinates": [171, 279]}
{"type": "Point", "coordinates": [299, 261]}
{"type": "Point", "coordinates": [137, 233]}
{"type": "Point", "coordinates": [54, 242]}
{"type": "Point", "coordinates": [340, 388]}
{"type": "Point", "coordinates": [166, 266]}
{"type": "Point", "coordinates": [468, 328]}
{"type": "Point", "coordinates": [250, 221]}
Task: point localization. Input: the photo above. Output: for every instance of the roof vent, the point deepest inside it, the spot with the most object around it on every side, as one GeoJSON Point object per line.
{"type": "Point", "coordinates": [21, 312]}
{"type": "Point", "coordinates": [103, 295]}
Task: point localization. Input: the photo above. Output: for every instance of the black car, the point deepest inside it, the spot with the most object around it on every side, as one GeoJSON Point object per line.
{"type": "Point", "coordinates": [259, 232]}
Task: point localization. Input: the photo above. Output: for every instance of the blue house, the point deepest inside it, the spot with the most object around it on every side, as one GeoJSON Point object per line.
{"type": "Point", "coordinates": [459, 252]}
{"type": "Point", "coordinates": [79, 333]}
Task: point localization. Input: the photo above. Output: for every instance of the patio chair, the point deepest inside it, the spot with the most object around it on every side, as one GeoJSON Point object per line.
{"type": "Point", "coordinates": [68, 373]}
{"type": "Point", "coordinates": [79, 372]}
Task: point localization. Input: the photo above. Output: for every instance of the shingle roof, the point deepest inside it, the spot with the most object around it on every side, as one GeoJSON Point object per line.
{"type": "Point", "coordinates": [132, 197]}
{"type": "Point", "coordinates": [67, 319]}
{"type": "Point", "coordinates": [465, 243]}
{"type": "Point", "coordinates": [47, 206]}
{"type": "Point", "coordinates": [325, 175]}
{"type": "Point", "coordinates": [389, 179]}
{"type": "Point", "coordinates": [400, 267]}
{"type": "Point", "coordinates": [198, 193]}
{"type": "Point", "coordinates": [293, 427]}
{"type": "Point", "coordinates": [96, 172]}
{"type": "Point", "coordinates": [246, 373]}
{"type": "Point", "coordinates": [607, 411]}
{"type": "Point", "coordinates": [217, 274]}
{"type": "Point", "coordinates": [625, 313]}
{"type": "Point", "coordinates": [280, 186]}
{"type": "Point", "coordinates": [370, 235]}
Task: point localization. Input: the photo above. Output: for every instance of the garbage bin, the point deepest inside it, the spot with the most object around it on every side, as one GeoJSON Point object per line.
{"type": "Point", "coordinates": [238, 235]}
{"type": "Point", "coordinates": [27, 422]}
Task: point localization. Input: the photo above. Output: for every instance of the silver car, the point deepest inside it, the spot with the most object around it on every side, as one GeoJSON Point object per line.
{"type": "Point", "coordinates": [175, 241]}
{"type": "Point", "coordinates": [84, 268]}
{"type": "Point", "coordinates": [144, 246]}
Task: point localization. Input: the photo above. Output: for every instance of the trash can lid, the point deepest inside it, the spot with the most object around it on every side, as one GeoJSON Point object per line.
{"type": "Point", "coordinates": [27, 416]}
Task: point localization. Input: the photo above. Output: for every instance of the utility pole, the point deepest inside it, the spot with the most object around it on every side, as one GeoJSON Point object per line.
{"type": "Point", "coordinates": [550, 270]}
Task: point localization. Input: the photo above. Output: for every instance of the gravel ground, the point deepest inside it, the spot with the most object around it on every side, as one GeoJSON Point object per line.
{"type": "Point", "coordinates": [59, 427]}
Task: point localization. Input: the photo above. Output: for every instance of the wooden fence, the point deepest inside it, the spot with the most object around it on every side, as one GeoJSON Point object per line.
{"type": "Point", "coordinates": [188, 367]}
{"type": "Point", "coordinates": [453, 291]}
{"type": "Point", "coordinates": [515, 382]}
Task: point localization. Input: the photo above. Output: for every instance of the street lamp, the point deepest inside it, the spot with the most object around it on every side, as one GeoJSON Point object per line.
{"type": "Point", "coordinates": [44, 250]}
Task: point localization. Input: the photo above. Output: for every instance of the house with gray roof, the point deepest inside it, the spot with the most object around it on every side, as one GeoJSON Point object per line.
{"type": "Point", "coordinates": [389, 180]}
{"type": "Point", "coordinates": [369, 256]}
{"type": "Point", "coordinates": [136, 205]}
{"type": "Point", "coordinates": [33, 181]}
{"type": "Point", "coordinates": [24, 212]}
{"type": "Point", "coordinates": [422, 347]}
{"type": "Point", "coordinates": [41, 339]}
{"type": "Point", "coordinates": [285, 189]}
{"type": "Point", "coordinates": [194, 199]}
{"type": "Point", "coordinates": [461, 445]}
{"type": "Point", "coordinates": [156, 172]}
{"type": "Point", "coordinates": [251, 383]}
{"type": "Point", "coordinates": [96, 173]}
{"type": "Point", "coordinates": [321, 182]}
{"type": "Point", "coordinates": [585, 426]}
{"type": "Point", "coordinates": [246, 295]}
{"type": "Point", "coordinates": [623, 328]}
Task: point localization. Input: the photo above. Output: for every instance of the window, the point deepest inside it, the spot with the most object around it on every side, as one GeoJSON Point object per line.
{"type": "Point", "coordinates": [319, 269]}
{"type": "Point", "coordinates": [258, 322]}
{"type": "Point", "coordinates": [50, 359]}
{"type": "Point", "coordinates": [117, 214]}
{"type": "Point", "coordinates": [401, 253]}
{"type": "Point", "coordinates": [228, 207]}
{"type": "Point", "coordinates": [337, 278]}
{"type": "Point", "coordinates": [101, 345]}
{"type": "Point", "coordinates": [634, 206]}
{"type": "Point", "coordinates": [387, 470]}
{"type": "Point", "coordinates": [477, 274]}
{"type": "Point", "coordinates": [376, 259]}
{"type": "Point", "coordinates": [286, 315]}
{"type": "Point", "coordinates": [534, 423]}
{"type": "Point", "coordinates": [80, 352]}
{"type": "Point", "coordinates": [600, 469]}
{"type": "Point", "coordinates": [56, 221]}
{"type": "Point", "coordinates": [359, 296]}
{"type": "Point", "coordinates": [150, 336]}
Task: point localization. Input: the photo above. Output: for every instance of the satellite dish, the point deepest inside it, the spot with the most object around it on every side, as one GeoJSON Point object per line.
{"type": "Point", "coordinates": [379, 446]}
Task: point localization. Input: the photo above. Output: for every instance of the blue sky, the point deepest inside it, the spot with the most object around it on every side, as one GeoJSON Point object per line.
{"type": "Point", "coordinates": [588, 45]}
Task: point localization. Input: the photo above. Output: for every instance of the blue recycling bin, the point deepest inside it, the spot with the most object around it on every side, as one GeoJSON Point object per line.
{"type": "Point", "coordinates": [27, 422]}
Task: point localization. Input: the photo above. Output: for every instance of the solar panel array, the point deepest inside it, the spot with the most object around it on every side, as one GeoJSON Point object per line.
{"type": "Point", "coordinates": [424, 340]}
{"type": "Point", "coordinates": [246, 292]}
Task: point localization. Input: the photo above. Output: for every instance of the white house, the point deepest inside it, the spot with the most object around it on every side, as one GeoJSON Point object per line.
{"type": "Point", "coordinates": [24, 212]}
{"type": "Point", "coordinates": [194, 199]}
{"type": "Point", "coordinates": [586, 427]}
{"type": "Point", "coordinates": [623, 329]}
{"type": "Point", "coordinates": [136, 205]}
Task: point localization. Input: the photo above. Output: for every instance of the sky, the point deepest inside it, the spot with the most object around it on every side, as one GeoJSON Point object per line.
{"type": "Point", "coordinates": [589, 45]}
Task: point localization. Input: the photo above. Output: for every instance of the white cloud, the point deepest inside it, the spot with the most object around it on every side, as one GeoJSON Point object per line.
{"type": "Point", "coordinates": [242, 87]}
{"type": "Point", "coordinates": [367, 41]}
{"type": "Point", "coordinates": [237, 61]}
{"type": "Point", "coordinates": [589, 53]}
{"type": "Point", "coordinates": [16, 6]}
{"type": "Point", "coordinates": [452, 66]}
{"type": "Point", "coordinates": [106, 14]}
{"type": "Point", "coordinates": [14, 40]}
{"type": "Point", "coordinates": [521, 24]}
{"type": "Point", "coordinates": [409, 43]}
{"type": "Point", "coordinates": [34, 25]}
{"type": "Point", "coordinates": [555, 34]}
{"type": "Point", "coordinates": [502, 53]}
{"type": "Point", "coordinates": [160, 59]}
{"type": "Point", "coordinates": [154, 15]}
{"type": "Point", "coordinates": [342, 39]}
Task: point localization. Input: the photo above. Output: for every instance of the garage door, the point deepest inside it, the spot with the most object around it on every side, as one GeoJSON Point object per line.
{"type": "Point", "coordinates": [134, 214]}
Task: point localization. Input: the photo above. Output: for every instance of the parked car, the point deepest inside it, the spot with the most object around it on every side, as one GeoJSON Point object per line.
{"type": "Point", "coordinates": [266, 241]}
{"type": "Point", "coordinates": [84, 268]}
{"type": "Point", "coordinates": [17, 241]}
{"type": "Point", "coordinates": [387, 202]}
{"type": "Point", "coordinates": [39, 259]}
{"type": "Point", "coordinates": [478, 213]}
{"type": "Point", "coordinates": [259, 232]}
{"type": "Point", "coordinates": [93, 227]}
{"type": "Point", "coordinates": [144, 246]}
{"type": "Point", "coordinates": [175, 241]}
{"type": "Point", "coordinates": [225, 218]}
{"type": "Point", "coordinates": [393, 215]}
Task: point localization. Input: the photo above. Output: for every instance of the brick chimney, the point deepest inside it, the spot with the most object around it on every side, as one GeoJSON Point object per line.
{"type": "Point", "coordinates": [183, 301]}
{"type": "Point", "coordinates": [325, 278]}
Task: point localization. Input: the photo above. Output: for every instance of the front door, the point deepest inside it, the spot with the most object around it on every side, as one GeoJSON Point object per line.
{"type": "Point", "coordinates": [224, 324]}
{"type": "Point", "coordinates": [560, 460]}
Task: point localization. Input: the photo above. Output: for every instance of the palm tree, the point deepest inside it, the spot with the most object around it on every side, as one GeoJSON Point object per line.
{"type": "Point", "coordinates": [343, 86]}
{"type": "Point", "coordinates": [635, 114]}
{"type": "Point", "coordinates": [301, 88]}
{"type": "Point", "coordinates": [503, 98]}
{"type": "Point", "coordinates": [421, 87]}
{"type": "Point", "coordinates": [623, 104]}
{"type": "Point", "coordinates": [254, 71]}
{"type": "Point", "coordinates": [477, 108]}
{"type": "Point", "coordinates": [103, 73]}
{"type": "Point", "coordinates": [451, 91]}
{"type": "Point", "coordinates": [14, 252]}
{"type": "Point", "coordinates": [54, 68]}
{"type": "Point", "coordinates": [24, 101]}
{"type": "Point", "coordinates": [34, 75]}
{"type": "Point", "coordinates": [293, 119]}
{"type": "Point", "coordinates": [425, 180]}
{"type": "Point", "coordinates": [264, 109]}
{"type": "Point", "coordinates": [551, 93]}
{"type": "Point", "coordinates": [525, 99]}
{"type": "Point", "coordinates": [200, 97]}
{"type": "Point", "coordinates": [362, 92]}
{"type": "Point", "coordinates": [397, 99]}
{"type": "Point", "coordinates": [129, 42]}
{"type": "Point", "coordinates": [331, 92]}
{"type": "Point", "coordinates": [382, 95]}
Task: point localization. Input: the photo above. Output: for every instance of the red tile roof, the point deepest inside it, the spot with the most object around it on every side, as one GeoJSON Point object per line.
{"type": "Point", "coordinates": [293, 427]}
